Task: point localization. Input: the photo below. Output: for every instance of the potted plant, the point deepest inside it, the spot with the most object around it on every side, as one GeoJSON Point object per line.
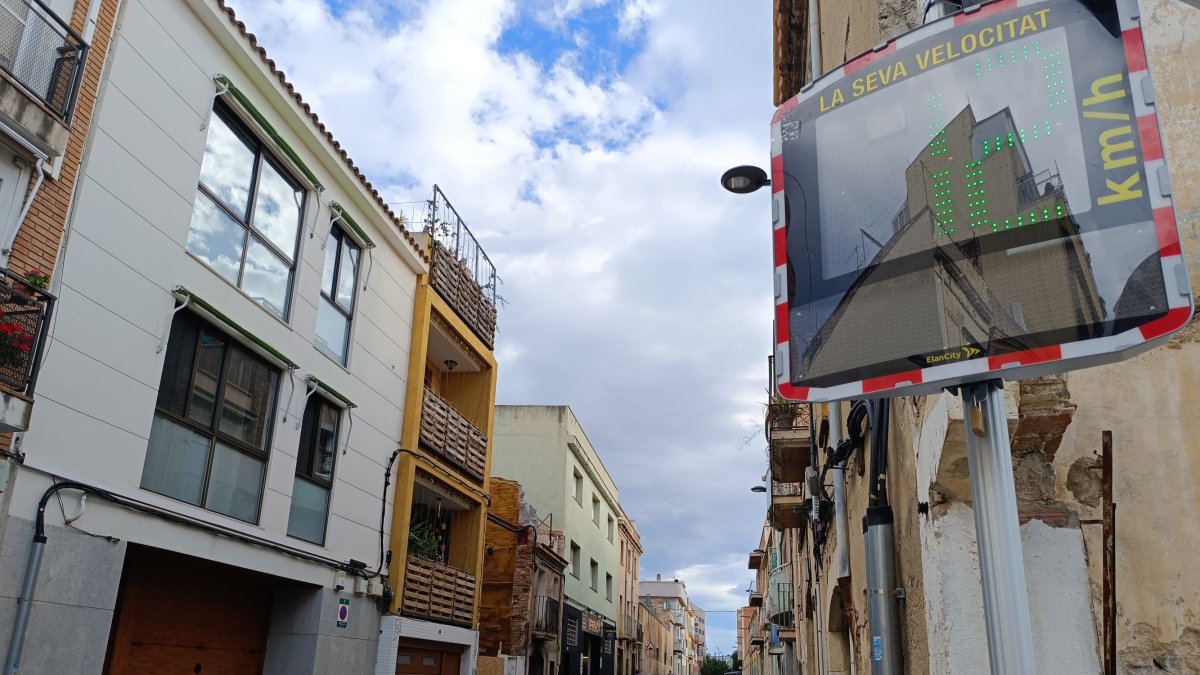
{"type": "Point", "coordinates": [15, 344]}
{"type": "Point", "coordinates": [33, 279]}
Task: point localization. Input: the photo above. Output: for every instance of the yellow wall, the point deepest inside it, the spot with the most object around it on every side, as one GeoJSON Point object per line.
{"type": "Point", "coordinates": [474, 394]}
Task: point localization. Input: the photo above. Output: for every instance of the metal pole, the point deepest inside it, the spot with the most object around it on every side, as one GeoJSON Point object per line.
{"type": "Point", "coordinates": [1001, 566]}
{"type": "Point", "coordinates": [12, 661]}
{"type": "Point", "coordinates": [883, 613]}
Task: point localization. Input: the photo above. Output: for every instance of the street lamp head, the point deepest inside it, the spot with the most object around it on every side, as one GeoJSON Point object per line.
{"type": "Point", "coordinates": [744, 179]}
{"type": "Point", "coordinates": [759, 488]}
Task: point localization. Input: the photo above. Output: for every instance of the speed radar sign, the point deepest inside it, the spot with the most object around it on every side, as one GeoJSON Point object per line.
{"type": "Point", "coordinates": [983, 197]}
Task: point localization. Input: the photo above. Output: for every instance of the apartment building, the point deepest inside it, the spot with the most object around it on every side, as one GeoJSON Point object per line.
{"type": "Point", "coordinates": [1081, 442]}
{"type": "Point", "coordinates": [522, 587]}
{"type": "Point", "coordinates": [629, 631]}
{"type": "Point", "coordinates": [443, 470]}
{"type": "Point", "coordinates": [546, 450]}
{"type": "Point", "coordinates": [670, 597]}
{"type": "Point", "coordinates": [224, 389]}
{"type": "Point", "coordinates": [657, 654]}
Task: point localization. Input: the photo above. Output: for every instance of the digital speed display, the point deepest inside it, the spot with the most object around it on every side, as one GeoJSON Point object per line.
{"type": "Point", "coordinates": [980, 193]}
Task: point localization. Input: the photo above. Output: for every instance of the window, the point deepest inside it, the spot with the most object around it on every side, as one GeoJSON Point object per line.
{"type": "Point", "coordinates": [337, 294]}
{"type": "Point", "coordinates": [608, 587]}
{"type": "Point", "coordinates": [212, 426]}
{"type": "Point", "coordinates": [578, 487]}
{"type": "Point", "coordinates": [246, 220]}
{"type": "Point", "coordinates": [575, 560]}
{"type": "Point", "coordinates": [611, 528]}
{"type": "Point", "coordinates": [596, 510]}
{"type": "Point", "coordinates": [595, 576]}
{"type": "Point", "coordinates": [314, 471]}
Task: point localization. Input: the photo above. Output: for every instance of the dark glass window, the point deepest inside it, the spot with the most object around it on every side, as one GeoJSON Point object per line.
{"type": "Point", "coordinates": [337, 294]}
{"type": "Point", "coordinates": [314, 470]}
{"type": "Point", "coordinates": [212, 426]}
{"type": "Point", "coordinates": [246, 221]}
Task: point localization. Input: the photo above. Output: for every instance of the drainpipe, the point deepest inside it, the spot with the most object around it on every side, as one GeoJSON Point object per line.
{"type": "Point", "coordinates": [89, 24]}
{"type": "Point", "coordinates": [814, 37]}
{"type": "Point", "coordinates": [841, 525]}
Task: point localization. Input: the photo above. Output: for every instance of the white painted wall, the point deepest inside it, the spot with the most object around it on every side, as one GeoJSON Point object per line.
{"type": "Point", "coordinates": [533, 445]}
{"type": "Point", "coordinates": [97, 389]}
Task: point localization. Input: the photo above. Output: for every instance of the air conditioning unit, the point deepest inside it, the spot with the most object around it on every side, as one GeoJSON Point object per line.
{"type": "Point", "coordinates": [812, 480]}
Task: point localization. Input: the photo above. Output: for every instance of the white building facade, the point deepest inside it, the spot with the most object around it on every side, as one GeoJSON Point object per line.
{"type": "Point", "coordinates": [225, 377]}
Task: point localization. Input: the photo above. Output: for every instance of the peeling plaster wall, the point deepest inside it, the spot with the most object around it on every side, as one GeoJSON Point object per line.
{"type": "Point", "coordinates": [1059, 596]}
{"type": "Point", "coordinates": [1150, 404]}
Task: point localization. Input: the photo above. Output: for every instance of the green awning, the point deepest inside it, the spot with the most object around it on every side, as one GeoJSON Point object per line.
{"type": "Point", "coordinates": [263, 347]}
{"type": "Point", "coordinates": [330, 391]}
{"type": "Point", "coordinates": [344, 216]}
{"type": "Point", "coordinates": [267, 127]}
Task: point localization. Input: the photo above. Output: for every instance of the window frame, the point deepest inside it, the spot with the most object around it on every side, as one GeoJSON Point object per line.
{"type": "Point", "coordinates": [343, 239]}
{"type": "Point", "coordinates": [612, 529]}
{"type": "Point", "coordinates": [594, 568]}
{"type": "Point", "coordinates": [578, 477]}
{"type": "Point", "coordinates": [576, 559]}
{"type": "Point", "coordinates": [596, 510]}
{"type": "Point", "coordinates": [318, 402]}
{"type": "Point", "coordinates": [263, 153]}
{"type": "Point", "coordinates": [608, 586]}
{"type": "Point", "coordinates": [213, 433]}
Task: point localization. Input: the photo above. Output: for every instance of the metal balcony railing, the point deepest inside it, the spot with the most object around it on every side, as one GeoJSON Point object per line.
{"type": "Point", "coordinates": [41, 53]}
{"type": "Point", "coordinates": [630, 629]}
{"type": "Point", "coordinates": [460, 271]}
{"type": "Point", "coordinates": [447, 432]}
{"type": "Point", "coordinates": [545, 615]}
{"type": "Point", "coordinates": [1032, 187]}
{"type": "Point", "coordinates": [438, 592]}
{"type": "Point", "coordinates": [24, 319]}
{"type": "Point", "coordinates": [788, 416]}
{"type": "Point", "coordinates": [781, 597]}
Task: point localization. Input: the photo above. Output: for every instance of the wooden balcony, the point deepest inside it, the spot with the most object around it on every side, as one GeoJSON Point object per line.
{"type": "Point", "coordinates": [756, 559]}
{"type": "Point", "coordinates": [446, 432]}
{"type": "Point", "coordinates": [438, 592]}
{"type": "Point", "coordinates": [454, 282]}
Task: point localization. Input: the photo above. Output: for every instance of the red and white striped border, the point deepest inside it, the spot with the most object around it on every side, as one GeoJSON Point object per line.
{"type": "Point", "coordinates": [1030, 362]}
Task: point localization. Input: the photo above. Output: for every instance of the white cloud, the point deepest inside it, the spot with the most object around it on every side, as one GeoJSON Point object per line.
{"type": "Point", "coordinates": [638, 291]}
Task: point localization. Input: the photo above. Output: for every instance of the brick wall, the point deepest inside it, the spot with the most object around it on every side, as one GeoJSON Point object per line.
{"type": "Point", "coordinates": [41, 233]}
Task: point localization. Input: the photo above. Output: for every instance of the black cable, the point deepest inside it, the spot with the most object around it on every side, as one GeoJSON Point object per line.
{"type": "Point", "coordinates": [39, 532]}
{"type": "Point", "coordinates": [877, 492]}
{"type": "Point", "coordinates": [387, 480]}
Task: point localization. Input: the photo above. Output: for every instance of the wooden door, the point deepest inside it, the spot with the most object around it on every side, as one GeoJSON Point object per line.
{"type": "Point", "coordinates": [425, 661]}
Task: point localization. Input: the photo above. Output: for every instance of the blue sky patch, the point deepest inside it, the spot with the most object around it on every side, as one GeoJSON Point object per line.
{"type": "Point", "coordinates": [604, 52]}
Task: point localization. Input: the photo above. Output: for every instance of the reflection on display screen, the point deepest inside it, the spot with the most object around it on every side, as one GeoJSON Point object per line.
{"type": "Point", "coordinates": [952, 202]}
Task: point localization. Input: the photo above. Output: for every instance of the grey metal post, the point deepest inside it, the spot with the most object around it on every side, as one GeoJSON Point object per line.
{"type": "Point", "coordinates": [883, 613]}
{"type": "Point", "coordinates": [12, 660]}
{"type": "Point", "coordinates": [1001, 566]}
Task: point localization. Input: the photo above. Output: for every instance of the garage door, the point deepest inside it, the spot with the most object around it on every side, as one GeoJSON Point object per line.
{"type": "Point", "coordinates": [427, 659]}
{"type": "Point", "coordinates": [177, 614]}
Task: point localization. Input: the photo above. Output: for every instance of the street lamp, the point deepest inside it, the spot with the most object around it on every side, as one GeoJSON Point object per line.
{"type": "Point", "coordinates": [744, 179]}
{"type": "Point", "coordinates": [759, 488]}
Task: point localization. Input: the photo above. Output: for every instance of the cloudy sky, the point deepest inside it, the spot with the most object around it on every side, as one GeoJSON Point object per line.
{"type": "Point", "coordinates": [582, 140]}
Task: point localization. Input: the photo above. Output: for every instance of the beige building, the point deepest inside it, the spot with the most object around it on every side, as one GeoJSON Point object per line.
{"type": "Point", "coordinates": [629, 631]}
{"type": "Point", "coordinates": [1058, 425]}
{"type": "Point", "coordinates": [657, 637]}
